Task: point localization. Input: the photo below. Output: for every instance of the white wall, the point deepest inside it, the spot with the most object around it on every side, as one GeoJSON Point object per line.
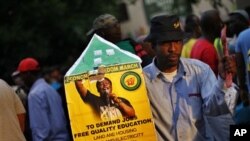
{"type": "Point", "coordinates": [204, 5]}
{"type": "Point", "coordinates": [137, 24]}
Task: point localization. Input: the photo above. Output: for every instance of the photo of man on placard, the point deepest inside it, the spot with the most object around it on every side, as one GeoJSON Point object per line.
{"type": "Point", "coordinates": [108, 106]}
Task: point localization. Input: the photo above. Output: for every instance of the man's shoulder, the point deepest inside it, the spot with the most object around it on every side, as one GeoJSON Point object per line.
{"type": "Point", "coordinates": [42, 88]}
{"type": "Point", "coordinates": [148, 67]}
{"type": "Point", "coordinates": [244, 33]}
{"type": "Point", "coordinates": [149, 70]}
{"type": "Point", "coordinates": [193, 64]}
{"type": "Point", "coordinates": [243, 36]}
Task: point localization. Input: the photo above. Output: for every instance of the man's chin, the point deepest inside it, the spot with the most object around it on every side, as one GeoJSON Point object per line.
{"type": "Point", "coordinates": [172, 63]}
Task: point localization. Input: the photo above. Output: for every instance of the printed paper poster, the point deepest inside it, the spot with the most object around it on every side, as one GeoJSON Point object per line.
{"type": "Point", "coordinates": [106, 95]}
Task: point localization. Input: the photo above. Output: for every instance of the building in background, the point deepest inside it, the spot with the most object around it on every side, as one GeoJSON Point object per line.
{"type": "Point", "coordinates": [135, 14]}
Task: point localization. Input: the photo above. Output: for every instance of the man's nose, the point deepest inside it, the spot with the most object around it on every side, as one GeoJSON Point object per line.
{"type": "Point", "coordinates": [105, 85]}
{"type": "Point", "coordinates": [172, 47]}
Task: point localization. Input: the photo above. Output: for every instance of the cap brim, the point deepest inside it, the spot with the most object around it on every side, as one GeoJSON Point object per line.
{"type": "Point", "coordinates": [91, 31]}
{"type": "Point", "coordinates": [15, 73]}
{"type": "Point", "coordinates": [169, 36]}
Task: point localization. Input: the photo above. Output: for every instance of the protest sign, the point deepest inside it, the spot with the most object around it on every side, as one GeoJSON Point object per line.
{"type": "Point", "coordinates": [106, 95]}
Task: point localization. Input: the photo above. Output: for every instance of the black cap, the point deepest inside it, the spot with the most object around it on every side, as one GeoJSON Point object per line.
{"type": "Point", "coordinates": [165, 28]}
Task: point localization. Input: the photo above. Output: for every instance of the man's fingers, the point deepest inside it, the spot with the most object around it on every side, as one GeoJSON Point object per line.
{"type": "Point", "coordinates": [112, 95]}
{"type": "Point", "coordinates": [229, 65]}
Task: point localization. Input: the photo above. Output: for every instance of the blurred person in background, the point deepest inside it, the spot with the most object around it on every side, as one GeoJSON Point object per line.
{"type": "Point", "coordinates": [193, 30]}
{"type": "Point", "coordinates": [238, 21]}
{"type": "Point", "coordinates": [146, 45]}
{"type": "Point", "coordinates": [22, 91]}
{"type": "Point", "coordinates": [19, 87]}
{"type": "Point", "coordinates": [206, 51]}
{"type": "Point", "coordinates": [12, 114]}
{"type": "Point", "coordinates": [108, 27]}
{"type": "Point", "coordinates": [242, 115]}
{"type": "Point", "coordinates": [46, 116]}
{"type": "Point", "coordinates": [53, 75]}
{"type": "Point", "coordinates": [203, 49]}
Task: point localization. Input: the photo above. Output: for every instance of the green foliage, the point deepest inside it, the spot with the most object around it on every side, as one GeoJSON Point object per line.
{"type": "Point", "coordinates": [53, 31]}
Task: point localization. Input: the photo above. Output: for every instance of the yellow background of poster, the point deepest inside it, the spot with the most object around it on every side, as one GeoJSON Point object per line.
{"type": "Point", "coordinates": [86, 125]}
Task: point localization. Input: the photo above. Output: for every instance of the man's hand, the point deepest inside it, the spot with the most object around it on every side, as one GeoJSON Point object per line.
{"type": "Point", "coordinates": [127, 110]}
{"type": "Point", "coordinates": [227, 66]}
{"type": "Point", "coordinates": [114, 98]}
{"type": "Point", "coordinates": [80, 88]}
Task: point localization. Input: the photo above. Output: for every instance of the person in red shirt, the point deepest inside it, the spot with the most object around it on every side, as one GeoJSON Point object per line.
{"type": "Point", "coordinates": [203, 49]}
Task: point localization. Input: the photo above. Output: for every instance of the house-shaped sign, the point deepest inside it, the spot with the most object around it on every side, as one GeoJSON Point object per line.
{"type": "Point", "coordinates": [106, 95]}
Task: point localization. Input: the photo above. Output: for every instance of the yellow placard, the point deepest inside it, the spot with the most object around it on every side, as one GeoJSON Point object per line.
{"type": "Point", "coordinates": [123, 116]}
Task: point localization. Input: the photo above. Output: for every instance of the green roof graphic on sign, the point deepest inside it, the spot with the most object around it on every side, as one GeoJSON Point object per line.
{"type": "Point", "coordinates": [101, 52]}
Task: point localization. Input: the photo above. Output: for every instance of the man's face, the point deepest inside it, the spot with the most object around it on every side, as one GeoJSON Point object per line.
{"type": "Point", "coordinates": [168, 53]}
{"type": "Point", "coordinates": [26, 77]}
{"type": "Point", "coordinates": [18, 80]}
{"type": "Point", "coordinates": [104, 87]}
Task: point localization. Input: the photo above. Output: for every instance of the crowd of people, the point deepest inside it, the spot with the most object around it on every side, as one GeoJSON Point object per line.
{"type": "Point", "coordinates": [187, 74]}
